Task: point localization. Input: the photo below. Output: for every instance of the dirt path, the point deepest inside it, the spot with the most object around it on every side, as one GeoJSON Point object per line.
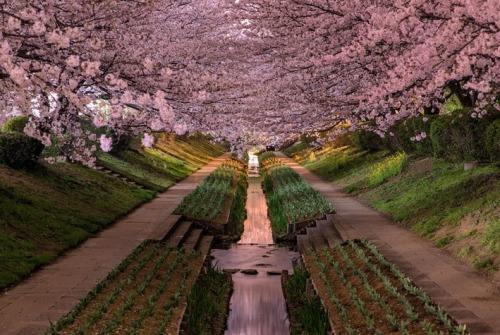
{"type": "Point", "coordinates": [469, 298]}
{"type": "Point", "coordinates": [53, 291]}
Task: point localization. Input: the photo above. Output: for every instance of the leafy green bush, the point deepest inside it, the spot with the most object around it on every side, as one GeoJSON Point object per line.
{"type": "Point", "coordinates": [493, 140]}
{"type": "Point", "coordinates": [291, 199]}
{"type": "Point", "coordinates": [367, 140]}
{"type": "Point", "coordinates": [398, 137]}
{"type": "Point", "coordinates": [15, 124]}
{"type": "Point", "coordinates": [122, 143]}
{"type": "Point", "coordinates": [19, 151]}
{"type": "Point", "coordinates": [389, 167]}
{"type": "Point", "coordinates": [459, 137]}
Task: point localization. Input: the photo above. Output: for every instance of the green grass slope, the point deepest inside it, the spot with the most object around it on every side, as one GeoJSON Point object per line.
{"type": "Point", "coordinates": [458, 210]}
{"type": "Point", "coordinates": [48, 211]}
{"type": "Point", "coordinates": [170, 160]}
{"type": "Point", "coordinates": [55, 207]}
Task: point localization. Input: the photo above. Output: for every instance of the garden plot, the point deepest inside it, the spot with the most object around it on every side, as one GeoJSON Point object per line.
{"type": "Point", "coordinates": [290, 198]}
{"type": "Point", "coordinates": [218, 203]}
{"type": "Point", "coordinates": [366, 294]}
{"type": "Point", "coordinates": [220, 199]}
{"type": "Point", "coordinates": [145, 294]}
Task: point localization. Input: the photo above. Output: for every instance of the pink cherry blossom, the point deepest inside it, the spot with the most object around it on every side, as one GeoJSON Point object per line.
{"type": "Point", "coordinates": [106, 143]}
{"type": "Point", "coordinates": [247, 71]}
{"type": "Point", "coordinates": [148, 140]}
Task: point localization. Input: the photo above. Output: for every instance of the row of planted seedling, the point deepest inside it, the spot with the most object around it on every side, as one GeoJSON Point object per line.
{"type": "Point", "coordinates": [206, 201]}
{"type": "Point", "coordinates": [262, 157]}
{"type": "Point", "coordinates": [139, 296]}
{"type": "Point", "coordinates": [370, 295]}
{"type": "Point", "coordinates": [235, 164]}
{"type": "Point", "coordinates": [270, 162]}
{"type": "Point", "coordinates": [290, 198]}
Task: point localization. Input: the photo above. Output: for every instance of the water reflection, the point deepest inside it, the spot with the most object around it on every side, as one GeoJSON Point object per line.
{"type": "Point", "coordinates": [257, 226]}
{"type": "Point", "coordinates": [257, 304]}
{"type": "Point", "coordinates": [257, 307]}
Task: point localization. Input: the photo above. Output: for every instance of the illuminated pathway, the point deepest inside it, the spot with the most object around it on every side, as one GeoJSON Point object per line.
{"type": "Point", "coordinates": [257, 303]}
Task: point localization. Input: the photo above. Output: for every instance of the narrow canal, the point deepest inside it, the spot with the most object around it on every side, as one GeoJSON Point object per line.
{"type": "Point", "coordinates": [257, 304]}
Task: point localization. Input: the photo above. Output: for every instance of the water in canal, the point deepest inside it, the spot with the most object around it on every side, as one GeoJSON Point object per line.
{"type": "Point", "coordinates": [257, 303]}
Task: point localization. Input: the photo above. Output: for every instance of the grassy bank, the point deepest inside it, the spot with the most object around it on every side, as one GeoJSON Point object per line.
{"type": "Point", "coordinates": [307, 315]}
{"type": "Point", "coordinates": [52, 208]}
{"type": "Point", "coordinates": [458, 210]}
{"type": "Point", "coordinates": [171, 159]}
{"type": "Point", "coordinates": [208, 303]}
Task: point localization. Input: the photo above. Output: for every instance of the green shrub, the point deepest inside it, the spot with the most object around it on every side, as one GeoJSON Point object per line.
{"type": "Point", "coordinates": [367, 140]}
{"type": "Point", "coordinates": [19, 151]}
{"type": "Point", "coordinates": [15, 124]}
{"type": "Point", "coordinates": [459, 137]}
{"type": "Point", "coordinates": [389, 167]}
{"type": "Point", "coordinates": [493, 140]}
{"type": "Point", "coordinates": [122, 143]}
{"type": "Point", "coordinates": [398, 137]}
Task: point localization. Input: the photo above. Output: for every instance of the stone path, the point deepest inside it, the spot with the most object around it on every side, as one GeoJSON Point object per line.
{"type": "Point", "coordinates": [53, 291]}
{"type": "Point", "coordinates": [469, 298]}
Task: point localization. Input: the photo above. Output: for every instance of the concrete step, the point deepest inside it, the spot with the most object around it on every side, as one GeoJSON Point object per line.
{"type": "Point", "coordinates": [205, 244]}
{"type": "Point", "coordinates": [303, 243]}
{"type": "Point", "coordinates": [317, 241]}
{"type": "Point", "coordinates": [166, 228]}
{"type": "Point", "coordinates": [328, 231]}
{"type": "Point", "coordinates": [178, 236]}
{"type": "Point", "coordinates": [345, 230]}
{"type": "Point", "coordinates": [193, 239]}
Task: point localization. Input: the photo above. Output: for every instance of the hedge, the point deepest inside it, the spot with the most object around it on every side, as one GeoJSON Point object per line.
{"type": "Point", "coordinates": [367, 140]}
{"type": "Point", "coordinates": [18, 150]}
{"type": "Point", "coordinates": [459, 137]}
{"type": "Point", "coordinates": [398, 138]}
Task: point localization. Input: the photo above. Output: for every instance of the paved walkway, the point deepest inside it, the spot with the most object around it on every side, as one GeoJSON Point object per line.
{"type": "Point", "coordinates": [469, 298]}
{"type": "Point", "coordinates": [55, 289]}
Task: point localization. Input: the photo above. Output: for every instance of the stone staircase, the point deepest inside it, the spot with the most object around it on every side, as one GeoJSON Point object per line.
{"type": "Point", "coordinates": [180, 233]}
{"type": "Point", "coordinates": [117, 175]}
{"type": "Point", "coordinates": [328, 232]}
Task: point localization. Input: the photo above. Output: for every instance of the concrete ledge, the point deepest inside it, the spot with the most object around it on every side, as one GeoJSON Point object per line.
{"type": "Point", "coordinates": [165, 228]}
{"type": "Point", "coordinates": [345, 230]}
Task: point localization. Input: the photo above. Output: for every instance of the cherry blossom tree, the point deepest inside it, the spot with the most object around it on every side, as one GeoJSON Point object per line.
{"type": "Point", "coordinates": [248, 71]}
{"type": "Point", "coordinates": [385, 60]}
